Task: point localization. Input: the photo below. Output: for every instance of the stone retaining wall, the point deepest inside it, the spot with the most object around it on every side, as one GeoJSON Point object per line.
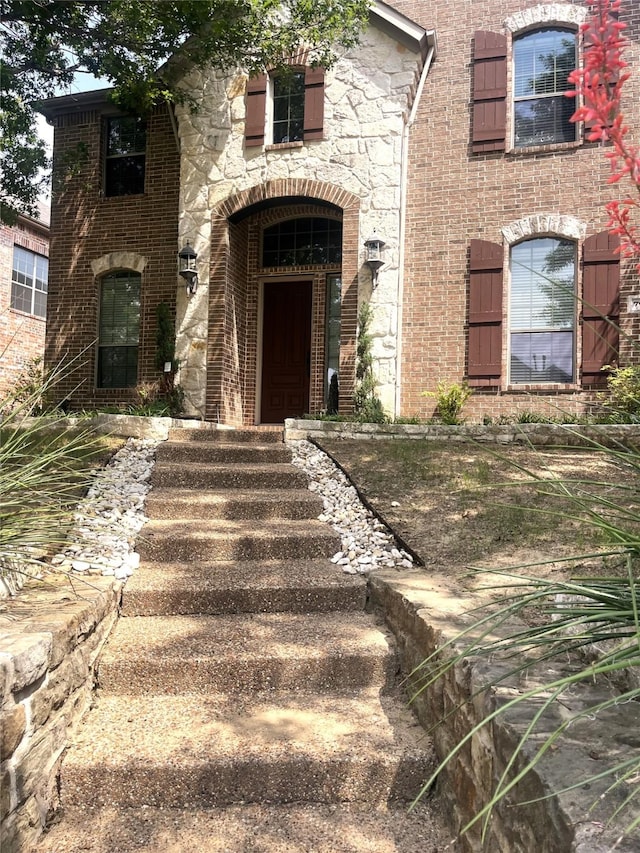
{"type": "Point", "coordinates": [50, 637]}
{"type": "Point", "coordinates": [424, 611]}
{"type": "Point", "coordinates": [568, 435]}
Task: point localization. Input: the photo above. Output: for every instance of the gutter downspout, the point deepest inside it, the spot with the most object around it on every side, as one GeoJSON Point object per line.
{"type": "Point", "coordinates": [431, 36]}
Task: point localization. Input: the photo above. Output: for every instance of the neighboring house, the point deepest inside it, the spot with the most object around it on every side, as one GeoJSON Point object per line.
{"type": "Point", "coordinates": [24, 261]}
{"type": "Point", "coordinates": [445, 133]}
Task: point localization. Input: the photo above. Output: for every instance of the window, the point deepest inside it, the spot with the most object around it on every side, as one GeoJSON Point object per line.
{"type": "Point", "coordinates": [332, 343]}
{"type": "Point", "coordinates": [29, 282]}
{"type": "Point", "coordinates": [125, 156]}
{"type": "Point", "coordinates": [542, 311]}
{"type": "Point", "coordinates": [288, 107]}
{"type": "Point", "coordinates": [285, 107]}
{"type": "Point", "coordinates": [119, 330]}
{"type": "Point", "coordinates": [309, 241]}
{"type": "Point", "coordinates": [543, 59]}
{"type": "Point", "coordinates": [543, 336]}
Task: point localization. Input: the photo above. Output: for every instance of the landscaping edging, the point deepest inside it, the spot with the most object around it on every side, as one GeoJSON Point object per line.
{"type": "Point", "coordinates": [565, 435]}
{"type": "Point", "coordinates": [50, 637]}
{"type": "Point", "coordinates": [423, 612]}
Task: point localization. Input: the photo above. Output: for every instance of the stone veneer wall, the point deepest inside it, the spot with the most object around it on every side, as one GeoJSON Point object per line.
{"type": "Point", "coordinates": [424, 611]}
{"type": "Point", "coordinates": [368, 94]}
{"type": "Point", "coordinates": [50, 637]}
{"type": "Point", "coordinates": [536, 434]}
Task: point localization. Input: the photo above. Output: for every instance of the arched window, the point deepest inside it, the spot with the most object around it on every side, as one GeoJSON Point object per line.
{"type": "Point", "coordinates": [543, 59]}
{"type": "Point", "coordinates": [542, 311]}
{"type": "Point", "coordinates": [119, 330]}
{"type": "Point", "coordinates": [309, 241]}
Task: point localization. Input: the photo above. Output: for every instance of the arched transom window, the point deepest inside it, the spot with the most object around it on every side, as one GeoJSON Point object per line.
{"type": "Point", "coordinates": [308, 241]}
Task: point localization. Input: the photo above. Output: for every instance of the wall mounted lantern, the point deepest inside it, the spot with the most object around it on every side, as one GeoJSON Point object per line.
{"type": "Point", "coordinates": [373, 255]}
{"type": "Point", "coordinates": [187, 267]}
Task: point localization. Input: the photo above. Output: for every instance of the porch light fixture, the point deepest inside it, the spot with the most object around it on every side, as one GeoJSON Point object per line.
{"type": "Point", "coordinates": [187, 267]}
{"type": "Point", "coordinates": [373, 255]}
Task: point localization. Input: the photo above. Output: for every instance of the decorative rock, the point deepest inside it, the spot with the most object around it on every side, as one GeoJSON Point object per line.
{"type": "Point", "coordinates": [111, 515]}
{"type": "Point", "coordinates": [366, 543]}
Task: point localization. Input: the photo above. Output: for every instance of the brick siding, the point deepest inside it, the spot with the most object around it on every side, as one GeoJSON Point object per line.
{"type": "Point", "coordinates": [85, 226]}
{"type": "Point", "coordinates": [21, 335]}
{"type": "Point", "coordinates": [455, 196]}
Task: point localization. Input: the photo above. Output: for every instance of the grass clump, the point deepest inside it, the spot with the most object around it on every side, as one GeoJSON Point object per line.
{"type": "Point", "coordinates": [44, 470]}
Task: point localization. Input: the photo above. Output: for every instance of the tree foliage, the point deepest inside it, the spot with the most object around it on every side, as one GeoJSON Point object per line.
{"type": "Point", "coordinates": [133, 46]}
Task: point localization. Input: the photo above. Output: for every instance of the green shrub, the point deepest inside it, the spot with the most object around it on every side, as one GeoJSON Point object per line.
{"type": "Point", "coordinates": [450, 398]}
{"type": "Point", "coordinates": [622, 403]}
{"type": "Point", "coordinates": [367, 404]}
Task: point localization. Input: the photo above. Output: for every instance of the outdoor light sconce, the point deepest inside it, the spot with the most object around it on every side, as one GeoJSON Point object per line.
{"type": "Point", "coordinates": [187, 267]}
{"type": "Point", "coordinates": [373, 259]}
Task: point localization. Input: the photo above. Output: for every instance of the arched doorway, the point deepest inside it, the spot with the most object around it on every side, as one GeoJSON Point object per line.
{"type": "Point", "coordinates": [277, 295]}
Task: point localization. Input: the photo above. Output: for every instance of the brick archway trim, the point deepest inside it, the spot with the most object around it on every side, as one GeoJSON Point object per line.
{"type": "Point", "coordinates": [286, 187]}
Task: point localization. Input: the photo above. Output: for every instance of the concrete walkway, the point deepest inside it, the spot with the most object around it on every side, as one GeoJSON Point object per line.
{"type": "Point", "coordinates": [246, 701]}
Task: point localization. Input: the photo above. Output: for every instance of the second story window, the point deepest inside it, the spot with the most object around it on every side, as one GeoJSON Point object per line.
{"type": "Point", "coordinates": [29, 282]}
{"type": "Point", "coordinates": [543, 59]}
{"type": "Point", "coordinates": [288, 107]}
{"type": "Point", "coordinates": [125, 156]}
{"type": "Point", "coordinates": [284, 107]}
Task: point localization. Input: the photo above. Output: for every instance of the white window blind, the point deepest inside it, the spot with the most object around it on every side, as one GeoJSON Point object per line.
{"type": "Point", "coordinates": [543, 60]}
{"type": "Point", "coordinates": [542, 311]}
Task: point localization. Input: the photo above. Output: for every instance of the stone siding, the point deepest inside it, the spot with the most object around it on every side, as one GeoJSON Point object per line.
{"type": "Point", "coordinates": [50, 637]}
{"type": "Point", "coordinates": [360, 161]}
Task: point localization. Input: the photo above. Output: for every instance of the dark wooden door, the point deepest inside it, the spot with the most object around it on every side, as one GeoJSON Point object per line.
{"type": "Point", "coordinates": [286, 350]}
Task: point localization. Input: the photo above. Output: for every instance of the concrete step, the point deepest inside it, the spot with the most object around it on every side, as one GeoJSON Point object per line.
{"type": "Point", "coordinates": [193, 751]}
{"type": "Point", "coordinates": [180, 541]}
{"type": "Point", "coordinates": [233, 503]}
{"type": "Point", "coordinates": [216, 451]}
{"type": "Point", "coordinates": [261, 435]}
{"type": "Point", "coordinates": [265, 828]}
{"type": "Point", "coordinates": [245, 653]}
{"type": "Point", "coordinates": [243, 475]}
{"type": "Point", "coordinates": [298, 586]}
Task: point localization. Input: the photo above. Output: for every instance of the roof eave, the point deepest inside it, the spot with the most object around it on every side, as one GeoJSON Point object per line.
{"type": "Point", "coordinates": [403, 29]}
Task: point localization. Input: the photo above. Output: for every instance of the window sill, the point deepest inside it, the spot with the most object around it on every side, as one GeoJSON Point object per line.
{"type": "Point", "coordinates": [547, 388]}
{"type": "Point", "coordinates": [283, 146]}
{"type": "Point", "coordinates": [550, 148]}
{"type": "Point", "coordinates": [27, 314]}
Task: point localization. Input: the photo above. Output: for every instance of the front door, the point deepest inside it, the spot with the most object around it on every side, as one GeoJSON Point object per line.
{"type": "Point", "coordinates": [286, 350]}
